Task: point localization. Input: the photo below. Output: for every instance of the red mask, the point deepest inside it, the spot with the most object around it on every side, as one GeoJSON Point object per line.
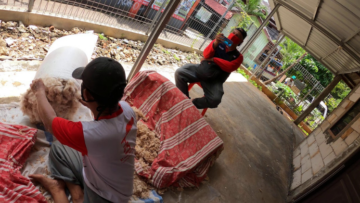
{"type": "Point", "coordinates": [235, 39]}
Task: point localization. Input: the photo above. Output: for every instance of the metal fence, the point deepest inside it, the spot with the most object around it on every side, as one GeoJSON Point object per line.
{"type": "Point", "coordinates": [194, 23]}
{"type": "Point", "coordinates": [306, 88]}
{"type": "Point", "coordinates": [260, 49]}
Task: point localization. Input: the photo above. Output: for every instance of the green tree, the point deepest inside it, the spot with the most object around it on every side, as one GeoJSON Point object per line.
{"type": "Point", "coordinates": [290, 52]}
{"type": "Point", "coordinates": [340, 91]}
{"type": "Point", "coordinates": [253, 7]}
{"type": "Point", "coordinates": [319, 71]}
{"type": "Point", "coordinates": [245, 21]}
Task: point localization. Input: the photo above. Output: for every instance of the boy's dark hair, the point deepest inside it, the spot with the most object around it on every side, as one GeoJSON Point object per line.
{"type": "Point", "coordinates": [105, 80]}
{"type": "Point", "coordinates": [242, 31]}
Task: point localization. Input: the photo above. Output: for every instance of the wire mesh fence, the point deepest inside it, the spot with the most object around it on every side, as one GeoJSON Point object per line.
{"type": "Point", "coordinates": [194, 23]}
{"type": "Point", "coordinates": [304, 91]}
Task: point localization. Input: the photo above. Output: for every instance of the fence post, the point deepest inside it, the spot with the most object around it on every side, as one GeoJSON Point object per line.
{"type": "Point", "coordinates": [317, 101]}
{"type": "Point", "coordinates": [280, 38]}
{"type": "Point", "coordinates": [304, 97]}
{"type": "Point", "coordinates": [154, 35]}
{"type": "Point", "coordinates": [259, 30]}
{"type": "Point", "coordinates": [156, 17]}
{"type": "Point", "coordinates": [271, 58]}
{"type": "Point", "coordinates": [31, 5]}
{"type": "Point", "coordinates": [218, 22]}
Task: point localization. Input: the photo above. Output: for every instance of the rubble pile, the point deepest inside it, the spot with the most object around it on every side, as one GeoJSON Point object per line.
{"type": "Point", "coordinates": [18, 42]}
{"type": "Point", "coordinates": [146, 150]}
{"type": "Point", "coordinates": [62, 94]}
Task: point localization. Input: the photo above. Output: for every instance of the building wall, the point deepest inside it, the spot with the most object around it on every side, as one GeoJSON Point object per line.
{"type": "Point", "coordinates": [234, 21]}
{"type": "Point", "coordinates": [255, 49]}
{"type": "Point", "coordinates": [316, 156]}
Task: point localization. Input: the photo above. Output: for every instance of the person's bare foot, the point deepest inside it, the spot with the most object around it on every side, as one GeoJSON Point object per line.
{"type": "Point", "coordinates": [51, 185]}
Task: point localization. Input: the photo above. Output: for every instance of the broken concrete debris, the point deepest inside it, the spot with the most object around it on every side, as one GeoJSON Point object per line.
{"type": "Point", "coordinates": [24, 42]}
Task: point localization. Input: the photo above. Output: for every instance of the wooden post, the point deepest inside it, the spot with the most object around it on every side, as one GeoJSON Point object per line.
{"type": "Point", "coordinates": [190, 12]}
{"type": "Point", "coordinates": [317, 101]}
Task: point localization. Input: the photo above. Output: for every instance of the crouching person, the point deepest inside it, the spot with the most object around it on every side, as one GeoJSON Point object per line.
{"type": "Point", "coordinates": [218, 62]}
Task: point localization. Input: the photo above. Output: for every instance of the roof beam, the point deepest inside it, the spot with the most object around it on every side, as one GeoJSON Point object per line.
{"type": "Point", "coordinates": [278, 17]}
{"type": "Point", "coordinates": [313, 18]}
{"type": "Point", "coordinates": [353, 35]}
{"type": "Point", "coordinates": [317, 9]}
{"type": "Point", "coordinates": [310, 52]}
{"type": "Point", "coordinates": [350, 71]}
{"type": "Point", "coordinates": [307, 39]}
{"type": "Point", "coordinates": [329, 35]}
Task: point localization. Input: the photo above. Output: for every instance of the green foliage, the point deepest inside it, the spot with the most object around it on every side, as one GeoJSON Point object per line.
{"type": "Point", "coordinates": [314, 119]}
{"type": "Point", "coordinates": [304, 131]}
{"type": "Point", "coordinates": [287, 92]}
{"type": "Point", "coordinates": [299, 109]}
{"type": "Point", "coordinates": [195, 40]}
{"type": "Point", "coordinates": [166, 51]}
{"type": "Point", "coordinates": [324, 76]}
{"type": "Point", "coordinates": [290, 52]}
{"type": "Point", "coordinates": [102, 37]}
{"type": "Point", "coordinates": [332, 103]}
{"type": "Point", "coordinates": [253, 7]}
{"type": "Point", "coordinates": [245, 21]}
{"type": "Point", "coordinates": [319, 71]}
{"type": "Point", "coordinates": [176, 57]}
{"type": "Point", "coordinates": [242, 72]}
{"type": "Point", "coordinates": [340, 91]}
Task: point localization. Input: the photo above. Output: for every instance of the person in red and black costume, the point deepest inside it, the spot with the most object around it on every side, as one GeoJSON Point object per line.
{"type": "Point", "coordinates": [224, 59]}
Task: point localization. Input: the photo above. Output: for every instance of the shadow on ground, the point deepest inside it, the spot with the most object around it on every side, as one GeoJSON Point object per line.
{"type": "Point", "coordinates": [255, 165]}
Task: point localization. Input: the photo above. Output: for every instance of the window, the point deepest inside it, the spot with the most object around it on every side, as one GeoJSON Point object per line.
{"type": "Point", "coordinates": [203, 15]}
{"type": "Point", "coordinates": [346, 119]}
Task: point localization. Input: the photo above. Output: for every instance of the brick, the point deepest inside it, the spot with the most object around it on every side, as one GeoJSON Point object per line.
{"type": "Point", "coordinates": [354, 97]}
{"type": "Point", "coordinates": [303, 143]}
{"type": "Point", "coordinates": [339, 111]}
{"type": "Point", "coordinates": [339, 146]}
{"type": "Point", "coordinates": [332, 118]}
{"type": "Point", "coordinates": [306, 176]}
{"type": "Point", "coordinates": [325, 124]}
{"type": "Point", "coordinates": [325, 149]}
{"type": "Point", "coordinates": [296, 152]}
{"type": "Point", "coordinates": [304, 149]}
{"type": "Point", "coordinates": [352, 137]}
{"type": "Point", "coordinates": [305, 159]}
{"type": "Point", "coordinates": [345, 103]}
{"type": "Point", "coordinates": [329, 158]}
{"type": "Point", "coordinates": [296, 179]}
{"type": "Point", "coordinates": [320, 138]}
{"type": "Point", "coordinates": [356, 125]}
{"type": "Point", "coordinates": [296, 162]}
{"type": "Point", "coordinates": [358, 90]}
{"type": "Point", "coordinates": [349, 105]}
{"type": "Point", "coordinates": [310, 139]}
{"type": "Point", "coordinates": [313, 149]}
{"type": "Point", "coordinates": [316, 131]}
{"type": "Point", "coordinates": [347, 133]}
{"type": "Point", "coordinates": [305, 164]}
{"type": "Point", "coordinates": [317, 163]}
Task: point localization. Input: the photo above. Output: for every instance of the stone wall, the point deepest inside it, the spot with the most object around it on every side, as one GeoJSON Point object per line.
{"type": "Point", "coordinates": [318, 154]}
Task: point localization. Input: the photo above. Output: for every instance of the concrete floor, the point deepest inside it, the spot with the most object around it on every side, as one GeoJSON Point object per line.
{"type": "Point", "coordinates": [255, 165]}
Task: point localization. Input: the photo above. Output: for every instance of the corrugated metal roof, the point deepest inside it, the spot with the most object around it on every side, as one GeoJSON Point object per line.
{"type": "Point", "coordinates": [328, 29]}
{"type": "Point", "coordinates": [218, 8]}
